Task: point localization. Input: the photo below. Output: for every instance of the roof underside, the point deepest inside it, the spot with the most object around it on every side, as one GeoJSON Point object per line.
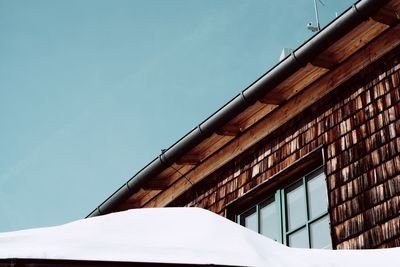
{"type": "Point", "coordinates": [342, 49]}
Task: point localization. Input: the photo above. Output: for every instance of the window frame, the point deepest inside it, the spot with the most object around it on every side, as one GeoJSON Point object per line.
{"type": "Point", "coordinates": [304, 183]}
{"type": "Point", "coordinates": [278, 195]}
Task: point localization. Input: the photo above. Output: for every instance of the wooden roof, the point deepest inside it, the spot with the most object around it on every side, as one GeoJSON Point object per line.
{"type": "Point", "coordinates": [339, 62]}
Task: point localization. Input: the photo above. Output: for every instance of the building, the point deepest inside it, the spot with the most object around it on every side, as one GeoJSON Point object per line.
{"type": "Point", "coordinates": [309, 154]}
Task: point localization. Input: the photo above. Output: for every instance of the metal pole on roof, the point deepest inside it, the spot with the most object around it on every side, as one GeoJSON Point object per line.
{"type": "Point", "coordinates": [317, 15]}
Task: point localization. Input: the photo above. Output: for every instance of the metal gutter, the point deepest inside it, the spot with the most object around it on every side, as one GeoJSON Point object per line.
{"type": "Point", "coordinates": [307, 52]}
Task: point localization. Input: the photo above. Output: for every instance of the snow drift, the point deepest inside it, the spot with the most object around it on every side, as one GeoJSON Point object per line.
{"type": "Point", "coordinates": [174, 235]}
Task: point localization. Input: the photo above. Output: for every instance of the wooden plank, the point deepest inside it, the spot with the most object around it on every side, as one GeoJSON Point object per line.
{"type": "Point", "coordinates": [335, 54]}
{"type": "Point", "coordinates": [261, 113]}
{"type": "Point", "coordinates": [324, 61]}
{"type": "Point", "coordinates": [208, 151]}
{"type": "Point", "coordinates": [383, 44]}
{"type": "Point", "coordinates": [171, 174]}
{"type": "Point", "coordinates": [299, 80]}
{"type": "Point", "coordinates": [272, 98]}
{"type": "Point", "coordinates": [152, 194]}
{"type": "Point", "coordinates": [246, 119]}
{"type": "Point", "coordinates": [229, 130]}
{"type": "Point", "coordinates": [157, 184]}
{"type": "Point", "coordinates": [190, 159]}
{"type": "Point", "coordinates": [206, 144]}
{"type": "Point", "coordinates": [355, 40]}
{"type": "Point", "coordinates": [211, 144]}
{"type": "Point", "coordinates": [386, 16]}
{"type": "Point", "coordinates": [394, 5]}
{"type": "Point", "coordinates": [241, 119]}
{"type": "Point", "coordinates": [134, 200]}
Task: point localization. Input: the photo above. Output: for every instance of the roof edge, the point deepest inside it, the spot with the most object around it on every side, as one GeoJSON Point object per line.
{"type": "Point", "coordinates": [359, 12]}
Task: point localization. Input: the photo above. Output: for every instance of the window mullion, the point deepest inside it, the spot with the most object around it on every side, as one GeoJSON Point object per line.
{"type": "Point", "coordinates": [258, 218]}
{"type": "Point", "coordinates": [284, 217]}
{"type": "Point", "coordinates": [278, 219]}
{"type": "Point", "coordinates": [318, 217]}
{"type": "Point", "coordinates": [296, 229]}
{"type": "Point", "coordinates": [307, 210]}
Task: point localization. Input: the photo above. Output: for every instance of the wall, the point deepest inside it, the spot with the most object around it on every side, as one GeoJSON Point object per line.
{"type": "Point", "coordinates": [357, 129]}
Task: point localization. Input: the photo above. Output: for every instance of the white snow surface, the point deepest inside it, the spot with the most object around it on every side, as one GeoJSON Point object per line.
{"type": "Point", "coordinates": [175, 235]}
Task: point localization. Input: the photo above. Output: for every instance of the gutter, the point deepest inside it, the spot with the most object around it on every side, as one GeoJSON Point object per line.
{"type": "Point", "coordinates": [307, 52]}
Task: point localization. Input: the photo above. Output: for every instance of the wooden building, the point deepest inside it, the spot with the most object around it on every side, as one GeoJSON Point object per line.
{"type": "Point", "coordinates": [309, 154]}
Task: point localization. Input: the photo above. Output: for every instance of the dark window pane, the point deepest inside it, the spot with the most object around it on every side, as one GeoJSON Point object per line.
{"type": "Point", "coordinates": [299, 239]}
{"type": "Point", "coordinates": [295, 205]}
{"type": "Point", "coordinates": [317, 196]}
{"type": "Point", "coordinates": [251, 221]}
{"type": "Point", "coordinates": [320, 234]}
{"type": "Point", "coordinates": [268, 220]}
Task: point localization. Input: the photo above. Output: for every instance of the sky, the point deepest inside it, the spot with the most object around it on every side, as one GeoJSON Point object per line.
{"type": "Point", "coordinates": [92, 90]}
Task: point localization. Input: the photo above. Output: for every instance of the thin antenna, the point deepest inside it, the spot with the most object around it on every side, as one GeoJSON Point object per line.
{"type": "Point", "coordinates": [317, 15]}
{"type": "Point", "coordinates": [310, 25]}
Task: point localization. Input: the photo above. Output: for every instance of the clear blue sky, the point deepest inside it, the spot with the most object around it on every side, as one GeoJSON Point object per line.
{"type": "Point", "coordinates": [91, 91]}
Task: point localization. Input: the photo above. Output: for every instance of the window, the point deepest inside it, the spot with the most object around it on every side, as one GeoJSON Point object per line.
{"type": "Point", "coordinates": [296, 215]}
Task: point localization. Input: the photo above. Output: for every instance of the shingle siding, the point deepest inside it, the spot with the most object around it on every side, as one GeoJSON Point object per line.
{"type": "Point", "coordinates": [358, 128]}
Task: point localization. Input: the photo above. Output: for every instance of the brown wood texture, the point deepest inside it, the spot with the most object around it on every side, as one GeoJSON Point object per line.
{"type": "Point", "coordinates": [325, 61]}
{"type": "Point", "coordinates": [386, 16]}
{"type": "Point", "coordinates": [358, 126]}
{"type": "Point", "coordinates": [299, 80]}
{"type": "Point", "coordinates": [331, 58]}
{"type": "Point", "coordinates": [356, 122]}
{"type": "Point", "coordinates": [272, 98]}
{"type": "Point", "coordinates": [356, 39]}
{"type": "Point", "coordinates": [276, 119]}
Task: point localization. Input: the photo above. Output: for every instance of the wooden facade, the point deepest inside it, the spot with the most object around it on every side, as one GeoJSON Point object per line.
{"type": "Point", "coordinates": [357, 129]}
{"type": "Point", "coordinates": [340, 111]}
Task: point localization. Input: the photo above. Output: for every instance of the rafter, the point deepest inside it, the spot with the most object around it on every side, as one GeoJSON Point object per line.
{"type": "Point", "coordinates": [156, 184]}
{"type": "Point", "coordinates": [272, 98]}
{"type": "Point", "coordinates": [229, 130]}
{"type": "Point", "coordinates": [386, 16]}
{"type": "Point", "coordinates": [189, 159]}
{"type": "Point", "coordinates": [324, 61]}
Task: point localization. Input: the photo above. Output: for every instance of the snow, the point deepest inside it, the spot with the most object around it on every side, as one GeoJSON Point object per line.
{"type": "Point", "coordinates": [174, 235]}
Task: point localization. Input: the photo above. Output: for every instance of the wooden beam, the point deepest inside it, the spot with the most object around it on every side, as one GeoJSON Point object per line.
{"type": "Point", "coordinates": [272, 98]}
{"type": "Point", "coordinates": [189, 159]}
{"type": "Point", "coordinates": [127, 206]}
{"type": "Point", "coordinates": [324, 61]}
{"type": "Point", "coordinates": [156, 184]}
{"type": "Point", "coordinates": [229, 130]}
{"type": "Point", "coordinates": [171, 176]}
{"type": "Point", "coordinates": [386, 16]}
{"type": "Point", "coordinates": [134, 201]}
{"type": "Point", "coordinates": [354, 64]}
{"type": "Point", "coordinates": [310, 161]}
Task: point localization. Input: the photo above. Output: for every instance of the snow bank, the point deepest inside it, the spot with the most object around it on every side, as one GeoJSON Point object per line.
{"type": "Point", "coordinates": [174, 235]}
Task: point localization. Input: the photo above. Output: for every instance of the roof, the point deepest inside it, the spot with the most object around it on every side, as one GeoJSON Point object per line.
{"type": "Point", "coordinates": [359, 36]}
{"type": "Point", "coordinates": [164, 235]}
{"type": "Point", "coordinates": [168, 235]}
